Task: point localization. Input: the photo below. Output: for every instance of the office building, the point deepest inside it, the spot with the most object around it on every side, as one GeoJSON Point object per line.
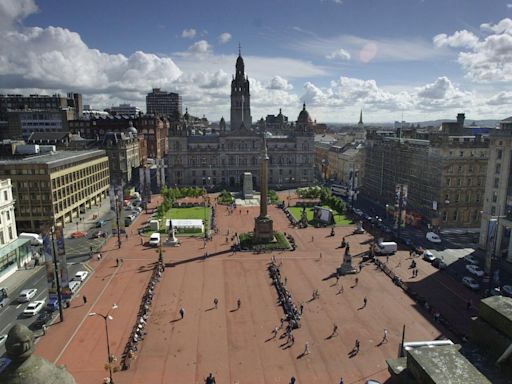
{"type": "Point", "coordinates": [162, 103]}
{"type": "Point", "coordinates": [56, 187]}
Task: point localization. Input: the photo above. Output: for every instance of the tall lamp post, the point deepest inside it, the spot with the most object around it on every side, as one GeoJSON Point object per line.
{"type": "Point", "coordinates": [117, 221]}
{"type": "Point", "coordinates": [57, 277]}
{"type": "Point", "coordinates": [110, 357]}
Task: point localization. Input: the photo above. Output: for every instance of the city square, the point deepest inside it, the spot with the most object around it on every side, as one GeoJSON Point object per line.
{"type": "Point", "coordinates": [237, 345]}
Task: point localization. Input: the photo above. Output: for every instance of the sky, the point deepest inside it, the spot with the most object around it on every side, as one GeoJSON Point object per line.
{"type": "Point", "coordinates": [420, 59]}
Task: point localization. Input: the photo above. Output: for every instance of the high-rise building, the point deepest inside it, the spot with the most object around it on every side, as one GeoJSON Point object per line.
{"type": "Point", "coordinates": [124, 109]}
{"type": "Point", "coordinates": [163, 103]}
{"type": "Point", "coordinates": [240, 97]}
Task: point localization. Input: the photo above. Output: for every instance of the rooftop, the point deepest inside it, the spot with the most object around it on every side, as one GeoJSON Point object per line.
{"type": "Point", "coordinates": [55, 159]}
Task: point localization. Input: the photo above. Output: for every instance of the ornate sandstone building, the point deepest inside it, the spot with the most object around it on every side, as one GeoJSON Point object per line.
{"type": "Point", "coordinates": [218, 158]}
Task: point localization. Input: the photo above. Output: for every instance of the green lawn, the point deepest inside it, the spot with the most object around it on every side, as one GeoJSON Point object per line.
{"type": "Point", "coordinates": [339, 219]}
{"type": "Point", "coordinates": [186, 213]}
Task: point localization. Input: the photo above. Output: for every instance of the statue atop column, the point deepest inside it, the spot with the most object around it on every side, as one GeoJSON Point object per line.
{"type": "Point", "coordinates": [21, 366]}
{"type": "Point", "coordinates": [263, 224]}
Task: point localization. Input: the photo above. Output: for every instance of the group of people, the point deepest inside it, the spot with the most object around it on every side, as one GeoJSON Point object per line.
{"type": "Point", "coordinates": [291, 311]}
{"type": "Point", "coordinates": [290, 216]}
{"type": "Point", "coordinates": [138, 330]}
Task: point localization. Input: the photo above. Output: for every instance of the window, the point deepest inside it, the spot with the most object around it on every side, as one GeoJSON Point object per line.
{"type": "Point", "coordinates": [459, 182]}
{"type": "Point", "coordinates": [459, 169]}
{"type": "Point", "coordinates": [461, 153]}
{"type": "Point", "coordinates": [494, 197]}
{"type": "Point", "coordinates": [498, 168]}
{"type": "Point", "coordinates": [445, 216]}
{"type": "Point", "coordinates": [8, 215]}
{"type": "Point", "coordinates": [493, 210]}
{"type": "Point", "coordinates": [496, 182]}
{"type": "Point", "coordinates": [448, 182]}
{"type": "Point", "coordinates": [455, 215]}
{"type": "Point", "coordinates": [6, 196]}
{"type": "Point", "coordinates": [499, 154]}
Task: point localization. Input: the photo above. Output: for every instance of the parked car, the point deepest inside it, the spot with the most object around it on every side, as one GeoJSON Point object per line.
{"type": "Point", "coordinates": [74, 285]}
{"type": "Point", "coordinates": [439, 263]}
{"type": "Point", "coordinates": [428, 256]}
{"type": "Point", "coordinates": [433, 237]}
{"type": "Point", "coordinates": [78, 234]}
{"type": "Point", "coordinates": [100, 223]}
{"type": "Point", "coordinates": [507, 290]}
{"type": "Point", "coordinates": [418, 249]}
{"type": "Point", "coordinates": [470, 282]}
{"type": "Point", "coordinates": [97, 234]}
{"type": "Point", "coordinates": [81, 275]}
{"type": "Point", "coordinates": [471, 259]}
{"type": "Point", "coordinates": [43, 319]}
{"type": "Point", "coordinates": [475, 270]}
{"type": "Point", "coordinates": [53, 304]}
{"type": "Point", "coordinates": [26, 295]}
{"type": "Point", "coordinates": [34, 308]}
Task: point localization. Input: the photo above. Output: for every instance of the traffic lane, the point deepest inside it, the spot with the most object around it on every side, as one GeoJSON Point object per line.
{"type": "Point", "coordinates": [12, 313]}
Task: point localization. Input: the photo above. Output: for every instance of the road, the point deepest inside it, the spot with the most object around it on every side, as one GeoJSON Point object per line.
{"type": "Point", "coordinates": [11, 314]}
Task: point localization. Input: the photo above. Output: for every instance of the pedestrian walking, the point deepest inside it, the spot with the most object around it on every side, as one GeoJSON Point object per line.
{"type": "Point", "coordinates": [141, 241]}
{"type": "Point", "coordinates": [274, 332]}
{"type": "Point", "coordinates": [340, 290]}
{"type": "Point", "coordinates": [238, 304]}
{"type": "Point", "coordinates": [126, 234]}
{"type": "Point", "coordinates": [285, 280]}
{"type": "Point", "coordinates": [44, 327]}
{"type": "Point", "coordinates": [301, 308]}
{"type": "Point", "coordinates": [215, 302]}
{"type": "Point", "coordinates": [341, 381]}
{"type": "Point", "coordinates": [387, 259]}
{"type": "Point", "coordinates": [293, 380]}
{"type": "Point", "coordinates": [365, 301]}
{"type": "Point", "coordinates": [357, 346]}
{"type": "Point", "coordinates": [334, 330]}
{"type": "Point", "coordinates": [312, 238]}
{"type": "Point", "coordinates": [117, 262]}
{"type": "Point", "coordinates": [210, 379]}
{"type": "Point", "coordinates": [385, 337]}
{"type": "Point", "coordinates": [182, 313]}
{"type": "Point", "coordinates": [337, 279]}
{"type": "Point", "coordinates": [306, 349]}
{"type": "Point", "coordinates": [292, 339]}
{"type": "Point", "coordinates": [357, 281]}
{"type": "Point", "coordinates": [320, 257]}
{"type": "Point", "coordinates": [282, 323]}
{"type": "Point", "coordinates": [84, 298]}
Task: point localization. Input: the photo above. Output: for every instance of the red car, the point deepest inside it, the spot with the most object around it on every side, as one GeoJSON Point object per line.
{"type": "Point", "coordinates": [78, 235]}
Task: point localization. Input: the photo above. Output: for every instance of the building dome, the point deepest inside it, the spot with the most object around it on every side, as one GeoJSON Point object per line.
{"type": "Point", "coordinates": [304, 117]}
{"type": "Point", "coordinates": [132, 129]}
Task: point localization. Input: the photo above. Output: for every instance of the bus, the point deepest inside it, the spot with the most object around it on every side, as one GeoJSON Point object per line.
{"type": "Point", "coordinates": [339, 190]}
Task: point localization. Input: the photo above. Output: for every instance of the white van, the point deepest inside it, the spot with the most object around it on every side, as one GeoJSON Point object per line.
{"type": "Point", "coordinates": [34, 238]}
{"type": "Point", "coordinates": [74, 285]}
{"type": "Point", "coordinates": [154, 240]}
{"type": "Point", "coordinates": [386, 248]}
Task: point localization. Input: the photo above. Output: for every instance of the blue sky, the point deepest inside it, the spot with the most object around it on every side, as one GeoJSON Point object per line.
{"type": "Point", "coordinates": [426, 59]}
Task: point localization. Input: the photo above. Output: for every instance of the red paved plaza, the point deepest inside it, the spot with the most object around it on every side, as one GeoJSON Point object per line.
{"type": "Point", "coordinates": [235, 345]}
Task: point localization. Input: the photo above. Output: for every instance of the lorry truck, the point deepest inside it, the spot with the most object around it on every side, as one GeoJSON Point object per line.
{"type": "Point", "coordinates": [386, 248]}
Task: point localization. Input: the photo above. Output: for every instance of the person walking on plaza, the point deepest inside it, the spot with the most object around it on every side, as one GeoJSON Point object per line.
{"type": "Point", "coordinates": [238, 304]}
{"type": "Point", "coordinates": [274, 332]}
{"type": "Point", "coordinates": [215, 302]}
{"type": "Point", "coordinates": [84, 298]}
{"type": "Point", "coordinates": [341, 381]}
{"type": "Point", "coordinates": [282, 323]}
{"type": "Point", "coordinates": [301, 308]}
{"type": "Point", "coordinates": [306, 349]}
{"type": "Point", "coordinates": [293, 380]}
{"type": "Point", "coordinates": [357, 281]}
{"type": "Point", "coordinates": [356, 347]}
{"type": "Point", "coordinates": [385, 337]}
{"type": "Point", "coordinates": [210, 379]}
{"type": "Point", "coordinates": [117, 262]}
{"type": "Point", "coordinates": [365, 301]}
{"type": "Point", "coordinates": [182, 313]}
{"type": "Point", "coordinates": [334, 331]}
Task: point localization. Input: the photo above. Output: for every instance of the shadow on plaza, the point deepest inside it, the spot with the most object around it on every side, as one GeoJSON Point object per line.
{"type": "Point", "coordinates": [197, 258]}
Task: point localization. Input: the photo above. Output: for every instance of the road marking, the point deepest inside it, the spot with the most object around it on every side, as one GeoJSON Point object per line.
{"type": "Point", "coordinates": [85, 317]}
{"type": "Point", "coordinates": [18, 306]}
{"type": "Point", "coordinates": [7, 326]}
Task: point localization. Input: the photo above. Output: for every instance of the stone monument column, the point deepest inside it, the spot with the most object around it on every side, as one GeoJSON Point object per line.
{"type": "Point", "coordinates": [263, 224]}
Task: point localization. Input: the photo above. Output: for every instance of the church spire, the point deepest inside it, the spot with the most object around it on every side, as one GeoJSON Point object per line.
{"type": "Point", "coordinates": [360, 118]}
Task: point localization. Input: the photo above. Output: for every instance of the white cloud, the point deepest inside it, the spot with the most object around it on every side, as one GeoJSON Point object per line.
{"type": "Point", "coordinates": [509, 5]}
{"type": "Point", "coordinates": [338, 54]}
{"type": "Point", "coordinates": [502, 98]}
{"type": "Point", "coordinates": [224, 37]}
{"type": "Point", "coordinates": [488, 58]}
{"type": "Point", "coordinates": [280, 83]}
{"type": "Point", "coordinates": [200, 47]}
{"type": "Point", "coordinates": [442, 94]}
{"type": "Point", "coordinates": [188, 33]}
{"type": "Point", "coordinates": [13, 11]}
{"type": "Point", "coordinates": [459, 39]}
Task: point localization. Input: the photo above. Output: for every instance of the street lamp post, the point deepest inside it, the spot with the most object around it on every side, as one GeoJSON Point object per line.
{"type": "Point", "coordinates": [57, 277]}
{"type": "Point", "coordinates": [117, 222]}
{"type": "Point", "coordinates": [110, 357]}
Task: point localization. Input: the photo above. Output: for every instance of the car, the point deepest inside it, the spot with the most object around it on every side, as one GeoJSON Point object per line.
{"type": "Point", "coordinates": [74, 285]}
{"type": "Point", "coordinates": [372, 382]}
{"type": "Point", "coordinates": [80, 275]}
{"type": "Point", "coordinates": [470, 282]}
{"type": "Point", "coordinates": [53, 304]}
{"type": "Point", "coordinates": [78, 234]}
{"type": "Point", "coordinates": [507, 290]}
{"type": "Point", "coordinates": [43, 319]}
{"type": "Point", "coordinates": [122, 231]}
{"type": "Point", "coordinates": [100, 223]}
{"type": "Point", "coordinates": [154, 240]}
{"type": "Point", "coordinates": [475, 270]}
{"type": "Point", "coordinates": [33, 308]}
{"type": "Point", "coordinates": [418, 249]}
{"type": "Point", "coordinates": [428, 256]}
{"type": "Point", "coordinates": [97, 234]}
{"type": "Point", "coordinates": [26, 295]}
{"type": "Point", "coordinates": [433, 237]}
{"type": "Point", "coordinates": [471, 259]}
{"type": "Point", "coordinates": [439, 263]}
{"type": "Point", "coordinates": [2, 339]}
